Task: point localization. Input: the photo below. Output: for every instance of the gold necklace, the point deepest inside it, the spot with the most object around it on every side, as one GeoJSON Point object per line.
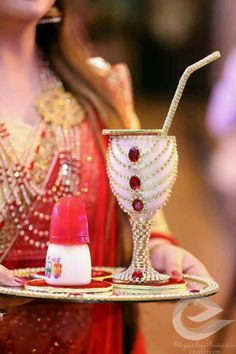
{"type": "Point", "coordinates": [54, 104]}
{"type": "Point", "coordinates": [24, 204]}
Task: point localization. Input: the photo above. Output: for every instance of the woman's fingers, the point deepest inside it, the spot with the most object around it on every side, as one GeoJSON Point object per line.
{"type": "Point", "coordinates": [7, 277]}
{"type": "Point", "coordinates": [191, 265]}
{"type": "Point", "coordinates": [174, 261]}
{"type": "Point", "coordinates": [168, 259]}
{"type": "Point", "coordinates": [158, 259]}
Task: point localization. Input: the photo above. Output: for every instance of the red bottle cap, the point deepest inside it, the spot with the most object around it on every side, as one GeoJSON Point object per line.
{"type": "Point", "coordinates": [69, 224]}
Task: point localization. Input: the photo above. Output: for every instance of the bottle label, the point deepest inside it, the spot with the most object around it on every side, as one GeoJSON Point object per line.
{"type": "Point", "coordinates": [53, 267]}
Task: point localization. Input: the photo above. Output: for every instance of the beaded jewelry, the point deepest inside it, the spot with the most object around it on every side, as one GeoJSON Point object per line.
{"type": "Point", "coordinates": [27, 198]}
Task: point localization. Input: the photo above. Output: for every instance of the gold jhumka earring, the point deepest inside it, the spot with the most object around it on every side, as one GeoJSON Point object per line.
{"type": "Point", "coordinates": [54, 15]}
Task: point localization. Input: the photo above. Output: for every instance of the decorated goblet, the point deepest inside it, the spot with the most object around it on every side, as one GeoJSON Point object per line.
{"type": "Point", "coordinates": [142, 168]}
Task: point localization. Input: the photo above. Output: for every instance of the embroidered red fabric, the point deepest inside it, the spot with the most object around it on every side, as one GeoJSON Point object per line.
{"type": "Point", "coordinates": [55, 327]}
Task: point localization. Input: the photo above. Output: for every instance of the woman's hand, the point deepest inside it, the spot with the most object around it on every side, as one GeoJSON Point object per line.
{"type": "Point", "coordinates": [7, 277]}
{"type": "Point", "coordinates": [175, 261]}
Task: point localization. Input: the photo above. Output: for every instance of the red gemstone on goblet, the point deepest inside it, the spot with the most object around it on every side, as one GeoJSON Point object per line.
{"type": "Point", "coordinates": [138, 205]}
{"type": "Point", "coordinates": [135, 183]}
{"type": "Point", "coordinates": [134, 154]}
{"type": "Point", "coordinates": [137, 275]}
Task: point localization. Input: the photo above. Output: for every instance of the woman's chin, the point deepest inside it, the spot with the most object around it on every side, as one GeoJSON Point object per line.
{"type": "Point", "coordinates": [24, 10]}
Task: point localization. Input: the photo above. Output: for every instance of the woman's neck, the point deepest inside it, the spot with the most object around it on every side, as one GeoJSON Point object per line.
{"type": "Point", "coordinates": [19, 75]}
{"type": "Point", "coordinates": [17, 47]}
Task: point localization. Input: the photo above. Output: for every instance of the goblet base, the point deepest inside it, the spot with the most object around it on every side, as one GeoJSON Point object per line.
{"type": "Point", "coordinates": [169, 287]}
{"type": "Point", "coordinates": [144, 276]}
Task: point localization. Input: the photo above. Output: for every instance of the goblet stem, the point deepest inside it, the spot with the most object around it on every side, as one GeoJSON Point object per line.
{"type": "Point", "coordinates": [140, 270]}
{"type": "Point", "coordinates": [141, 233]}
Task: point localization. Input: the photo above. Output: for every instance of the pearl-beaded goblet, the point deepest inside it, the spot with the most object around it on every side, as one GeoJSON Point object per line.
{"type": "Point", "coordinates": [142, 168]}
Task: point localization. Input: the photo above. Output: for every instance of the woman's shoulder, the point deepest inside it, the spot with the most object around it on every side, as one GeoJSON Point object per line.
{"type": "Point", "coordinates": [118, 79]}
{"type": "Point", "coordinates": [117, 76]}
{"type": "Point", "coordinates": [115, 73]}
{"type": "Point", "coordinates": [102, 66]}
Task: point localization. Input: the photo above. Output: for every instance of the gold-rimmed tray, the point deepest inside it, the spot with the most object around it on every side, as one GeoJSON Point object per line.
{"type": "Point", "coordinates": [195, 287]}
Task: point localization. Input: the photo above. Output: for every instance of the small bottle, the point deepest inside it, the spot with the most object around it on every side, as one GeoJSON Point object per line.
{"type": "Point", "coordinates": [68, 259]}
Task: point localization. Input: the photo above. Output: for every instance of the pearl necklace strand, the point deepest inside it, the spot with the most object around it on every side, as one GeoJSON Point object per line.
{"type": "Point", "coordinates": [25, 204]}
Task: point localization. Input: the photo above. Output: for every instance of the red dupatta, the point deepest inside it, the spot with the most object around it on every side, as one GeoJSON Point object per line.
{"type": "Point", "coordinates": [101, 329]}
{"type": "Point", "coordinates": [70, 328]}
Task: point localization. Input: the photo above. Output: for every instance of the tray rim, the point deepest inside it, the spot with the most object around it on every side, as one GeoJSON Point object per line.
{"type": "Point", "coordinates": [211, 288]}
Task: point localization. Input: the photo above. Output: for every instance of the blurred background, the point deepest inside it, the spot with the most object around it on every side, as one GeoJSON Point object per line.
{"type": "Point", "coordinates": [158, 39]}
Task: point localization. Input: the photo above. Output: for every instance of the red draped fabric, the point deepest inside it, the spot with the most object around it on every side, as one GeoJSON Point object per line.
{"type": "Point", "coordinates": [57, 327]}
